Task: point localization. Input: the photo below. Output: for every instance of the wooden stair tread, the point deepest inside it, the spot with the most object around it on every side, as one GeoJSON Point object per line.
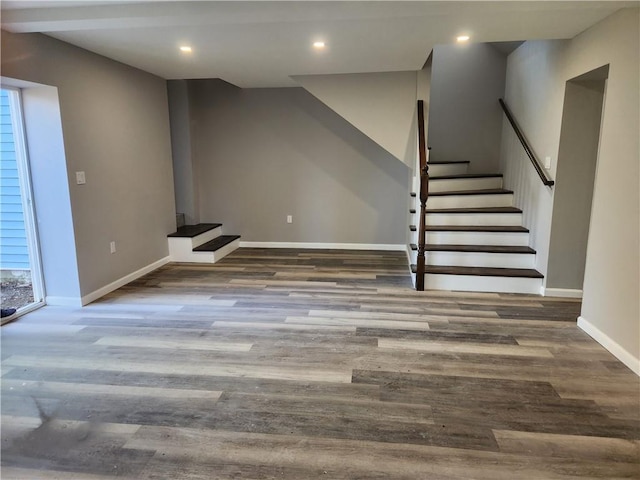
{"type": "Point", "coordinates": [466, 175]}
{"type": "Point", "coordinates": [413, 228]}
{"type": "Point", "coordinates": [486, 191]}
{"type": "Point", "coordinates": [413, 194]}
{"type": "Point", "coordinates": [190, 231]}
{"type": "Point", "coordinates": [476, 228]}
{"type": "Point", "coordinates": [412, 210]}
{"type": "Point", "coordinates": [481, 271]}
{"type": "Point", "coordinates": [450, 162]}
{"type": "Point", "coordinates": [216, 244]}
{"type": "Point", "coordinates": [476, 248]}
{"type": "Point", "coordinates": [475, 210]}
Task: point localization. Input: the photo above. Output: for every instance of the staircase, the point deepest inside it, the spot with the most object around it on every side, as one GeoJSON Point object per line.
{"type": "Point", "coordinates": [475, 240]}
{"type": "Point", "coordinates": [201, 243]}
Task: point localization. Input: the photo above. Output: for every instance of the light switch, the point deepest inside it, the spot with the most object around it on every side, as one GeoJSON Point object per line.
{"type": "Point", "coordinates": [547, 162]}
{"type": "Point", "coordinates": [289, 218]}
{"type": "Point", "coordinates": [80, 178]}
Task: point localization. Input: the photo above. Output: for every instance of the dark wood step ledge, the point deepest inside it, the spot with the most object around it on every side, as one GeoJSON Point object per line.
{"type": "Point", "coordinates": [450, 162]}
{"type": "Point", "coordinates": [217, 243]}
{"type": "Point", "coordinates": [413, 228]}
{"type": "Point", "coordinates": [413, 194]}
{"type": "Point", "coordinates": [412, 210]}
{"type": "Point", "coordinates": [486, 191]}
{"type": "Point", "coordinates": [475, 210]}
{"type": "Point", "coordinates": [481, 271]}
{"type": "Point", "coordinates": [190, 231]}
{"type": "Point", "coordinates": [477, 248]}
{"type": "Point", "coordinates": [476, 228]}
{"type": "Point", "coordinates": [466, 175]}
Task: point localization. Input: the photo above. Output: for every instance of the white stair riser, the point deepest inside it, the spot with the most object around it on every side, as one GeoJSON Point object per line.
{"type": "Point", "coordinates": [227, 249]}
{"type": "Point", "coordinates": [472, 283]}
{"type": "Point", "coordinates": [481, 259]}
{"type": "Point", "coordinates": [478, 238]}
{"type": "Point", "coordinates": [448, 169]}
{"type": "Point", "coordinates": [457, 184]}
{"type": "Point", "coordinates": [209, 257]}
{"type": "Point", "coordinates": [477, 259]}
{"type": "Point", "coordinates": [180, 247]}
{"type": "Point", "coordinates": [498, 219]}
{"type": "Point", "coordinates": [470, 201]}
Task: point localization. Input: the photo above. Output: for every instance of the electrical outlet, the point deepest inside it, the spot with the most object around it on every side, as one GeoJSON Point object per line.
{"type": "Point", "coordinates": [112, 247]}
{"type": "Point", "coordinates": [80, 178]}
{"type": "Point", "coordinates": [289, 218]}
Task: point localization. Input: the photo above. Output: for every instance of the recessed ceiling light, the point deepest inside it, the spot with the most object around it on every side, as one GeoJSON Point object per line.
{"type": "Point", "coordinates": [185, 48]}
{"type": "Point", "coordinates": [463, 38]}
{"type": "Point", "coordinates": [318, 45]}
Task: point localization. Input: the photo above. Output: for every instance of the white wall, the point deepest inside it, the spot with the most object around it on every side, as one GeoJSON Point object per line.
{"type": "Point", "coordinates": [537, 73]}
{"type": "Point", "coordinates": [264, 154]}
{"type": "Point", "coordinates": [41, 109]}
{"type": "Point", "coordinates": [465, 119]}
{"type": "Point", "coordinates": [380, 105]}
{"type": "Point", "coordinates": [115, 124]}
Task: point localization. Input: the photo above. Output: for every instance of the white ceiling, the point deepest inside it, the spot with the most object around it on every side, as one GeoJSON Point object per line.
{"type": "Point", "coordinates": [263, 43]}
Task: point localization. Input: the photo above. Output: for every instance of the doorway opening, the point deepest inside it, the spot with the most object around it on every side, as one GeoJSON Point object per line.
{"type": "Point", "coordinates": [580, 131]}
{"type": "Point", "coordinates": [21, 280]}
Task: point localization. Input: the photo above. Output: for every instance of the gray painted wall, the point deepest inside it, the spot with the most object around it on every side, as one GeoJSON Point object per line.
{"type": "Point", "coordinates": [577, 156]}
{"type": "Point", "coordinates": [184, 170]}
{"type": "Point", "coordinates": [465, 119]}
{"type": "Point", "coordinates": [382, 105]}
{"type": "Point", "coordinates": [115, 124]}
{"type": "Point", "coordinates": [537, 73]}
{"type": "Point", "coordinates": [264, 154]}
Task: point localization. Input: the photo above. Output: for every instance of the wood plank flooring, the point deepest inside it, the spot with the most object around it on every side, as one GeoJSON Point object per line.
{"type": "Point", "coordinates": [302, 364]}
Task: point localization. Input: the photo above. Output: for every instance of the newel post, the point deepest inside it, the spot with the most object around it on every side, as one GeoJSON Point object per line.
{"type": "Point", "coordinates": [424, 195]}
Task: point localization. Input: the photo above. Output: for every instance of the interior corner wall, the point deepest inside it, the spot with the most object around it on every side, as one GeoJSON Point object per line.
{"type": "Point", "coordinates": [115, 125]}
{"type": "Point", "coordinates": [184, 169]}
{"type": "Point", "coordinates": [465, 119]}
{"type": "Point", "coordinates": [573, 192]}
{"type": "Point", "coordinates": [264, 154]}
{"type": "Point", "coordinates": [537, 73]}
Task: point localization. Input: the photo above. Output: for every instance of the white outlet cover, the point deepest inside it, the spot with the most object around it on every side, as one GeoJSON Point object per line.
{"type": "Point", "coordinates": [80, 178]}
{"type": "Point", "coordinates": [289, 218]}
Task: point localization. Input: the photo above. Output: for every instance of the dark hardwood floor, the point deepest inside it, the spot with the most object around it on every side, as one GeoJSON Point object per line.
{"type": "Point", "coordinates": [295, 364]}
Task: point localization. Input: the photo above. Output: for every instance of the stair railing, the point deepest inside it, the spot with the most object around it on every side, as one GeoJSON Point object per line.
{"type": "Point", "coordinates": [536, 163]}
{"type": "Point", "coordinates": [424, 195]}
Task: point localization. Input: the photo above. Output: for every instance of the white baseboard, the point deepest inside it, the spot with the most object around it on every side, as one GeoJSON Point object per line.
{"type": "Point", "coordinates": [561, 292]}
{"type": "Point", "coordinates": [64, 301]}
{"type": "Point", "coordinates": [607, 342]}
{"type": "Point", "coordinates": [101, 292]}
{"type": "Point", "coordinates": [408, 250]}
{"type": "Point", "coordinates": [326, 246]}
